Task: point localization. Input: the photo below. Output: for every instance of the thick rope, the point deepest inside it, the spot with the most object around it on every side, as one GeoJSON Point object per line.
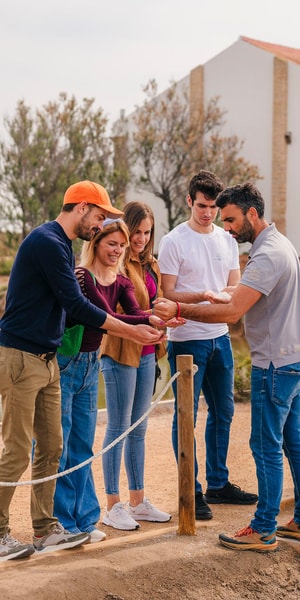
{"type": "Point", "coordinates": [104, 450]}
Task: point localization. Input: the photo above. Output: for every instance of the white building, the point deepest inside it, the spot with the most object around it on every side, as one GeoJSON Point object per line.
{"type": "Point", "coordinates": [258, 85]}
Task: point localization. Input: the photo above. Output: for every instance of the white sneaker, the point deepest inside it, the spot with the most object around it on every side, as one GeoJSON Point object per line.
{"type": "Point", "coordinates": [10, 548]}
{"type": "Point", "coordinates": [59, 539]}
{"type": "Point", "coordinates": [96, 536]}
{"type": "Point", "coordinates": [145, 511]}
{"type": "Point", "coordinates": [119, 518]}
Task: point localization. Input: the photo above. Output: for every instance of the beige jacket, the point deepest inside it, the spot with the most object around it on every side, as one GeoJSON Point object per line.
{"type": "Point", "coordinates": [123, 351]}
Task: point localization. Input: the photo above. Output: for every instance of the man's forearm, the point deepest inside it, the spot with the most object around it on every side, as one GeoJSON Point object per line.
{"type": "Point", "coordinates": [209, 313]}
{"type": "Point", "coordinates": [117, 327]}
{"type": "Point", "coordinates": [141, 334]}
{"type": "Point", "coordinates": [187, 297]}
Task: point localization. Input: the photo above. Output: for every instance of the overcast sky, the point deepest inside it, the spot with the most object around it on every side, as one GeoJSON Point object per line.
{"type": "Point", "coordinates": [109, 49]}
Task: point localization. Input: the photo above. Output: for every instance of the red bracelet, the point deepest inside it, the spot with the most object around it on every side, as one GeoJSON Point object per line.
{"type": "Point", "coordinates": [178, 310]}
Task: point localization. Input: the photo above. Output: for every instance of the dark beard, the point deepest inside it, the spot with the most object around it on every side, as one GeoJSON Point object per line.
{"type": "Point", "coordinates": [246, 234]}
{"type": "Point", "coordinates": [83, 232]}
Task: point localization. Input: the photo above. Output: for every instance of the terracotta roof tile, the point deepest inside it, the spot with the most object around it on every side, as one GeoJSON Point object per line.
{"type": "Point", "coordinates": [282, 52]}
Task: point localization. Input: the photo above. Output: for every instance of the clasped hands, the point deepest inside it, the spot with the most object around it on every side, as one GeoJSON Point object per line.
{"type": "Point", "coordinates": [160, 323]}
{"type": "Point", "coordinates": [167, 309]}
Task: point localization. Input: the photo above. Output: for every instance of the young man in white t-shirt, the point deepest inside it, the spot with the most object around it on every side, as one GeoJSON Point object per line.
{"type": "Point", "coordinates": [195, 257]}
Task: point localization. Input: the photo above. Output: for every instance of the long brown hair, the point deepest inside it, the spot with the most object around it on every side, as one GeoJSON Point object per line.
{"type": "Point", "coordinates": [134, 213]}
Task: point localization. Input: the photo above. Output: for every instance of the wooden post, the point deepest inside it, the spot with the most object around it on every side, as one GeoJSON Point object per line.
{"type": "Point", "coordinates": [186, 465]}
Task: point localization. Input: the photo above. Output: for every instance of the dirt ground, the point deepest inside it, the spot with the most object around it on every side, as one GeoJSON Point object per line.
{"type": "Point", "coordinates": [155, 562]}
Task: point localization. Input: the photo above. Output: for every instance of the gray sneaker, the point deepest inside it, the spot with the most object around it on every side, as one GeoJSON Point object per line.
{"type": "Point", "coordinates": [10, 548]}
{"type": "Point", "coordinates": [59, 539]}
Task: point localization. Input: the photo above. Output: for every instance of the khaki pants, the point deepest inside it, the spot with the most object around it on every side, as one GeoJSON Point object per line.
{"type": "Point", "coordinates": [31, 409]}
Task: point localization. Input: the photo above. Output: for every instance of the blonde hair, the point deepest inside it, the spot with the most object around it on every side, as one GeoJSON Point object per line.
{"type": "Point", "coordinates": [88, 250]}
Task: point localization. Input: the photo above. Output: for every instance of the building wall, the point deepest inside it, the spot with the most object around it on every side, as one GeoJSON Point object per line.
{"type": "Point", "coordinates": [242, 77]}
{"type": "Point", "coordinates": [261, 97]}
{"type": "Point", "coordinates": [279, 144]}
{"type": "Point", "coordinates": [293, 157]}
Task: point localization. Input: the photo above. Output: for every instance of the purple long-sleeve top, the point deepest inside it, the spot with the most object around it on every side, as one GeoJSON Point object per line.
{"type": "Point", "coordinates": [108, 297]}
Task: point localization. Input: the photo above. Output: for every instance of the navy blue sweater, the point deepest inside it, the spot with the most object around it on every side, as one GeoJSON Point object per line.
{"type": "Point", "coordinates": [42, 289]}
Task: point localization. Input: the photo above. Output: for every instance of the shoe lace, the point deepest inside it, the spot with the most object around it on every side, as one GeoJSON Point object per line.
{"type": "Point", "coordinates": [56, 528]}
{"type": "Point", "coordinates": [9, 540]}
{"type": "Point", "coordinates": [147, 503]}
{"type": "Point", "coordinates": [120, 509]}
{"type": "Point", "coordinates": [235, 488]}
{"type": "Point", "coordinates": [246, 531]}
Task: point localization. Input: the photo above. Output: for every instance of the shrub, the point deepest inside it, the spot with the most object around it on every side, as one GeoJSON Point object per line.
{"type": "Point", "coordinates": [6, 265]}
{"type": "Point", "coordinates": [242, 373]}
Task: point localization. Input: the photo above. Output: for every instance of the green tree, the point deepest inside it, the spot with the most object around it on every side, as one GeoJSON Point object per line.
{"type": "Point", "coordinates": [120, 174]}
{"type": "Point", "coordinates": [47, 150]}
{"type": "Point", "coordinates": [169, 145]}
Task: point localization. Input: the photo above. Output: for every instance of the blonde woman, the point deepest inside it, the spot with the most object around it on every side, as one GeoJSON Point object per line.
{"type": "Point", "coordinates": [129, 372]}
{"type": "Point", "coordinates": [76, 504]}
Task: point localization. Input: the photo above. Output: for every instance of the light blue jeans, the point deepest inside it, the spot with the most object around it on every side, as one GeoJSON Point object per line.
{"type": "Point", "coordinates": [214, 377]}
{"type": "Point", "coordinates": [75, 502]}
{"type": "Point", "coordinates": [275, 402]}
{"type": "Point", "coordinates": [128, 393]}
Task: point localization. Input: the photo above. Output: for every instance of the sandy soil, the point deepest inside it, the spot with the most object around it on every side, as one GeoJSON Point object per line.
{"type": "Point", "coordinates": [156, 562]}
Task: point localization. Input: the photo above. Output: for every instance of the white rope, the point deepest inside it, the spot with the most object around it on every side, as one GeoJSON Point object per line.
{"type": "Point", "coordinates": [104, 450]}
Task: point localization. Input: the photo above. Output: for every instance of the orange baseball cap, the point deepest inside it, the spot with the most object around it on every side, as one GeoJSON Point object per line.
{"type": "Point", "coordinates": [92, 193]}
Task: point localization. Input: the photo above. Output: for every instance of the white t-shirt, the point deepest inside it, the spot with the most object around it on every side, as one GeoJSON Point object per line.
{"type": "Point", "coordinates": [200, 261]}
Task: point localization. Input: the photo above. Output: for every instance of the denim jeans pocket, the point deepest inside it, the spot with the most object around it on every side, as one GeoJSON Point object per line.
{"type": "Point", "coordinates": [64, 362]}
{"type": "Point", "coordinates": [286, 384]}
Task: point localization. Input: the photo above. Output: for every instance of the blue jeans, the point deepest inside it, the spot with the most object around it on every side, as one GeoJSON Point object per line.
{"type": "Point", "coordinates": [75, 501]}
{"type": "Point", "coordinates": [214, 377]}
{"type": "Point", "coordinates": [275, 428]}
{"type": "Point", "coordinates": [128, 392]}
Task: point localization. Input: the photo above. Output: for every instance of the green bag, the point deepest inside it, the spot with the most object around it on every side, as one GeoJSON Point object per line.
{"type": "Point", "coordinates": [72, 338]}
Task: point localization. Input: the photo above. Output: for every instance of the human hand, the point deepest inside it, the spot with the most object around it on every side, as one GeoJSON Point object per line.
{"type": "Point", "coordinates": [217, 297]}
{"type": "Point", "coordinates": [165, 309]}
{"type": "Point", "coordinates": [156, 321]}
{"type": "Point", "coordinates": [147, 335]}
{"type": "Point", "coordinates": [229, 289]}
{"type": "Point", "coordinates": [174, 322]}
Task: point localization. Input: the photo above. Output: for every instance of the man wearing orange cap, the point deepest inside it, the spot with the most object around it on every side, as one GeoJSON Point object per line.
{"type": "Point", "coordinates": [42, 289]}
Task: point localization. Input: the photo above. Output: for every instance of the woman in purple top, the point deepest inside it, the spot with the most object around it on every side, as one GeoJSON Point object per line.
{"type": "Point", "coordinates": [135, 364]}
{"type": "Point", "coordinates": [75, 503]}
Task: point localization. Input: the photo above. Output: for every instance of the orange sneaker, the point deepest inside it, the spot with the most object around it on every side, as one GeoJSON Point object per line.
{"type": "Point", "coordinates": [290, 530]}
{"type": "Point", "coordinates": [248, 539]}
